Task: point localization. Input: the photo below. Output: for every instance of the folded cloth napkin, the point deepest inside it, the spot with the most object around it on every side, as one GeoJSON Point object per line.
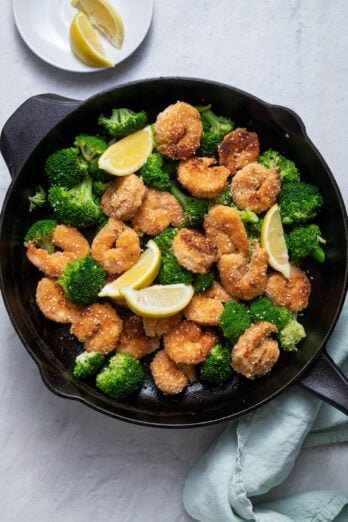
{"type": "Point", "coordinates": [257, 452]}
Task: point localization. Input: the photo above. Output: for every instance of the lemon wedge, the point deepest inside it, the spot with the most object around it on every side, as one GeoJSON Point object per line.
{"type": "Point", "coordinates": [158, 300]}
{"type": "Point", "coordinates": [104, 17]}
{"type": "Point", "coordinates": [129, 154]}
{"type": "Point", "coordinates": [85, 43]}
{"type": "Point", "coordinates": [273, 241]}
{"type": "Point", "coordinates": [140, 275]}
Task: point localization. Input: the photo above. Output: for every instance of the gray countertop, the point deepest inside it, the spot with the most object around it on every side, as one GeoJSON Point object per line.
{"type": "Point", "coordinates": [61, 460]}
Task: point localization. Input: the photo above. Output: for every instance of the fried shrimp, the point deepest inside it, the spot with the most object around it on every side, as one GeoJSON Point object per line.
{"type": "Point", "coordinates": [159, 210]}
{"type": "Point", "coordinates": [161, 325]}
{"type": "Point", "coordinates": [255, 353]}
{"type": "Point", "coordinates": [123, 197]}
{"type": "Point", "coordinates": [99, 327]}
{"type": "Point", "coordinates": [241, 278]}
{"type": "Point", "coordinates": [116, 247]}
{"type": "Point", "coordinates": [133, 339]}
{"type": "Point", "coordinates": [255, 187]}
{"type": "Point", "coordinates": [194, 251]}
{"type": "Point", "coordinates": [52, 303]}
{"type": "Point", "coordinates": [238, 148]}
{"type": "Point", "coordinates": [178, 130]}
{"type": "Point", "coordinates": [225, 229]}
{"type": "Point", "coordinates": [205, 308]}
{"type": "Point", "coordinates": [73, 246]}
{"type": "Point", "coordinates": [202, 177]}
{"type": "Point", "coordinates": [293, 293]}
{"type": "Point", "coordinates": [188, 343]}
{"type": "Point", "coordinates": [166, 374]}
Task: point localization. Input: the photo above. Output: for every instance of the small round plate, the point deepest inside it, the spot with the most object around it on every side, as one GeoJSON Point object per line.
{"type": "Point", "coordinates": [44, 26]}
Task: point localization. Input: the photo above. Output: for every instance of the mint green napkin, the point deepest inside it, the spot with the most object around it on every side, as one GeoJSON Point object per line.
{"type": "Point", "coordinates": [257, 452]}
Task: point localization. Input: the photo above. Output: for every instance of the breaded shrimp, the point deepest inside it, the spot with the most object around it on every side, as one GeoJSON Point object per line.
{"type": "Point", "coordinates": [73, 246]}
{"type": "Point", "coordinates": [202, 177]}
{"type": "Point", "coordinates": [255, 353]}
{"type": "Point", "coordinates": [178, 130]}
{"type": "Point", "coordinates": [194, 251]}
{"type": "Point", "coordinates": [205, 308]}
{"type": "Point", "coordinates": [190, 370]}
{"type": "Point", "coordinates": [188, 343]}
{"type": "Point", "coordinates": [166, 374]}
{"type": "Point", "coordinates": [225, 229]}
{"type": "Point", "coordinates": [255, 187]}
{"type": "Point", "coordinates": [99, 327]}
{"type": "Point", "coordinates": [159, 210]}
{"type": "Point", "coordinates": [123, 197]}
{"type": "Point", "coordinates": [52, 303]}
{"type": "Point", "coordinates": [241, 278]}
{"type": "Point", "coordinates": [160, 326]}
{"type": "Point", "coordinates": [238, 148]}
{"type": "Point", "coordinates": [293, 293]}
{"type": "Point", "coordinates": [133, 339]}
{"type": "Point", "coordinates": [116, 247]}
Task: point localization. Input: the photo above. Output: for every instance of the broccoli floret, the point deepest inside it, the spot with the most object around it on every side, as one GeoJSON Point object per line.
{"type": "Point", "coordinates": [234, 320]}
{"type": "Point", "coordinates": [40, 233]}
{"type": "Point", "coordinates": [217, 366]}
{"type": "Point", "coordinates": [299, 202]}
{"type": "Point", "coordinates": [288, 169]}
{"type": "Point", "coordinates": [82, 280]}
{"type": "Point", "coordinates": [123, 122]}
{"type": "Point", "coordinates": [165, 239]}
{"type": "Point", "coordinates": [305, 241]}
{"type": "Point", "coordinates": [123, 376]}
{"type": "Point", "coordinates": [153, 173]}
{"type": "Point", "coordinates": [291, 335]}
{"type": "Point", "coordinates": [98, 188]}
{"type": "Point", "coordinates": [203, 282]}
{"type": "Point", "coordinates": [171, 272]}
{"type": "Point", "coordinates": [96, 173]}
{"type": "Point", "coordinates": [78, 206]}
{"type": "Point", "coordinates": [87, 364]}
{"type": "Point", "coordinates": [194, 208]}
{"type": "Point", "coordinates": [90, 146]}
{"type": "Point", "coordinates": [65, 168]}
{"type": "Point", "coordinates": [37, 200]}
{"type": "Point", "coordinates": [263, 309]}
{"type": "Point", "coordinates": [215, 128]}
{"type": "Point", "coordinates": [224, 198]}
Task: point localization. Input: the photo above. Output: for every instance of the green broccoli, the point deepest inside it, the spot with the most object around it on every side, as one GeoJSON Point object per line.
{"type": "Point", "coordinates": [224, 198]}
{"type": "Point", "coordinates": [291, 335]}
{"type": "Point", "coordinates": [217, 366]}
{"type": "Point", "coordinates": [77, 207]}
{"type": "Point", "coordinates": [234, 320]}
{"type": "Point", "coordinates": [38, 199]}
{"type": "Point", "coordinates": [82, 280]}
{"type": "Point", "coordinates": [122, 377]}
{"type": "Point", "coordinates": [123, 122]}
{"type": "Point", "coordinates": [305, 241]}
{"type": "Point", "coordinates": [171, 272]}
{"type": "Point", "coordinates": [98, 174]}
{"type": "Point", "coordinates": [263, 309]}
{"type": "Point", "coordinates": [153, 173]}
{"type": "Point", "coordinates": [203, 282]}
{"type": "Point", "coordinates": [288, 169]}
{"type": "Point", "coordinates": [40, 233]}
{"type": "Point", "coordinates": [98, 188]}
{"type": "Point", "coordinates": [299, 202]}
{"type": "Point", "coordinates": [215, 128]}
{"type": "Point", "coordinates": [87, 364]}
{"type": "Point", "coordinates": [65, 168]}
{"type": "Point", "coordinates": [194, 208]}
{"type": "Point", "coordinates": [90, 146]}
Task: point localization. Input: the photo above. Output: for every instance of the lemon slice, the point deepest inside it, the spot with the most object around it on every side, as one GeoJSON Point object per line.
{"type": "Point", "coordinates": [127, 155]}
{"type": "Point", "coordinates": [273, 241]}
{"type": "Point", "coordinates": [158, 300]}
{"type": "Point", "coordinates": [139, 275]}
{"type": "Point", "coordinates": [104, 17]}
{"type": "Point", "coordinates": [85, 43]}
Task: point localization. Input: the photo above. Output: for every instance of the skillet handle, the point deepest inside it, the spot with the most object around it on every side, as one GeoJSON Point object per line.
{"type": "Point", "coordinates": [326, 381]}
{"type": "Point", "coordinates": [29, 124]}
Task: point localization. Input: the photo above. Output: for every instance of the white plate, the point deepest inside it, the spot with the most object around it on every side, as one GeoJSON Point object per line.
{"type": "Point", "coordinates": [44, 26]}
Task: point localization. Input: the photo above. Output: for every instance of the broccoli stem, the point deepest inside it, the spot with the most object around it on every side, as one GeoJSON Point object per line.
{"type": "Point", "coordinates": [179, 195]}
{"type": "Point", "coordinates": [318, 254]}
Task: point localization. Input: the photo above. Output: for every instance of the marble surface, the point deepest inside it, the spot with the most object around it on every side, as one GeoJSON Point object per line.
{"type": "Point", "coordinates": [61, 460]}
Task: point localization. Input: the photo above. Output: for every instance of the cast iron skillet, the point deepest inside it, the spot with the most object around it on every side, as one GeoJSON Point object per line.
{"type": "Point", "coordinates": [46, 122]}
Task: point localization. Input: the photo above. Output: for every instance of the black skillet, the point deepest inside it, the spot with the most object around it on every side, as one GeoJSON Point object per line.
{"type": "Point", "coordinates": [47, 122]}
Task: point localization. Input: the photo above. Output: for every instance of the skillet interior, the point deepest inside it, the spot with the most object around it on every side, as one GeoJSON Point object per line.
{"type": "Point", "coordinates": [54, 349]}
